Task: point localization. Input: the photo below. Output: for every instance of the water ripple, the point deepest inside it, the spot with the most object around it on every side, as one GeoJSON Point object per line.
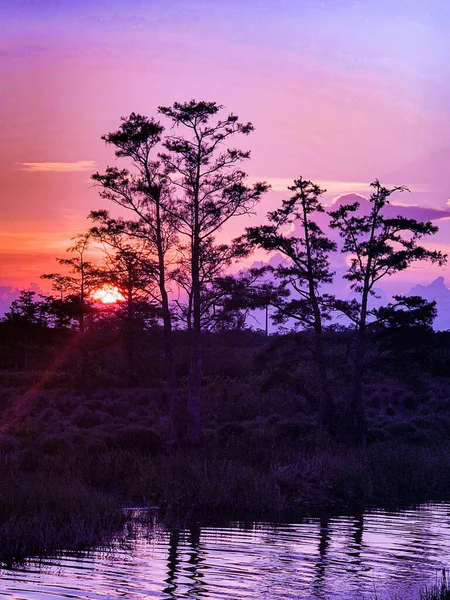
{"type": "Point", "coordinates": [379, 552]}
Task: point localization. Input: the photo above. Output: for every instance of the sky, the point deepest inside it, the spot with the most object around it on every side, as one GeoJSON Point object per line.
{"type": "Point", "coordinates": [339, 91]}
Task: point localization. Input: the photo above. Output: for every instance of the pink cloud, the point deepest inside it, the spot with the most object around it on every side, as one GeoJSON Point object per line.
{"type": "Point", "coordinates": [60, 167]}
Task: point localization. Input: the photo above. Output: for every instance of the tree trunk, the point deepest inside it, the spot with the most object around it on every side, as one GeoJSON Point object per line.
{"type": "Point", "coordinates": [356, 408]}
{"type": "Point", "coordinates": [326, 404]}
{"type": "Point", "coordinates": [356, 405]}
{"type": "Point", "coordinates": [170, 373]}
{"type": "Point", "coordinates": [195, 354]}
{"type": "Point", "coordinates": [195, 358]}
{"type": "Point", "coordinates": [327, 414]}
{"type": "Point", "coordinates": [130, 338]}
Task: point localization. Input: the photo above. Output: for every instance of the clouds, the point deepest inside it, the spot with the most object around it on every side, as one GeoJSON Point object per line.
{"type": "Point", "coordinates": [438, 291]}
{"type": "Point", "coordinates": [281, 184]}
{"type": "Point", "coordinates": [392, 210]}
{"type": "Point", "coordinates": [7, 295]}
{"type": "Point", "coordinates": [59, 167]}
{"type": "Point", "coordinates": [333, 186]}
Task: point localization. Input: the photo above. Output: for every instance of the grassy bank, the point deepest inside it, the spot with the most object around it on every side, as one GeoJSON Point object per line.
{"type": "Point", "coordinates": [262, 450]}
{"type": "Point", "coordinates": [75, 501]}
{"type": "Point", "coordinates": [41, 513]}
{"type": "Point", "coordinates": [72, 455]}
{"type": "Point", "coordinates": [58, 492]}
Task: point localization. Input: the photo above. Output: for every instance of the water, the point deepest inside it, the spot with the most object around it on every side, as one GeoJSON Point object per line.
{"type": "Point", "coordinates": [380, 553]}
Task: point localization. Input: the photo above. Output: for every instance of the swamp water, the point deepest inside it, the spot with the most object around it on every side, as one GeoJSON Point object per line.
{"type": "Point", "coordinates": [378, 554]}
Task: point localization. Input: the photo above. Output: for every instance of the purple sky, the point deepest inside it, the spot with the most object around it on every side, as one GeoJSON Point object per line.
{"type": "Point", "coordinates": [340, 92]}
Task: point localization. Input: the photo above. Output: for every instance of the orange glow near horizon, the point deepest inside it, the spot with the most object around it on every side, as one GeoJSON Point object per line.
{"type": "Point", "coordinates": [108, 294]}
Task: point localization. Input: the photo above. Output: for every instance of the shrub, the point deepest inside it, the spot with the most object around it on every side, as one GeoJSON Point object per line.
{"type": "Point", "coordinates": [291, 429]}
{"type": "Point", "coordinates": [230, 430]}
{"type": "Point", "coordinates": [87, 418]}
{"type": "Point", "coordinates": [408, 432]}
{"type": "Point", "coordinates": [8, 443]}
{"type": "Point", "coordinates": [56, 445]}
{"type": "Point", "coordinates": [138, 438]}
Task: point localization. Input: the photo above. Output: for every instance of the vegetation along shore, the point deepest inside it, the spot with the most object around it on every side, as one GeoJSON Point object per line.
{"type": "Point", "coordinates": [75, 453]}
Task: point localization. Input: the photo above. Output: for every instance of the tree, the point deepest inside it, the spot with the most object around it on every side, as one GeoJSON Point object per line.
{"type": "Point", "coordinates": [378, 247]}
{"type": "Point", "coordinates": [209, 190]}
{"type": "Point", "coordinates": [144, 191]}
{"type": "Point", "coordinates": [26, 311]}
{"type": "Point", "coordinates": [228, 300]}
{"type": "Point", "coordinates": [405, 312]}
{"type": "Point", "coordinates": [24, 320]}
{"type": "Point", "coordinates": [62, 311]}
{"type": "Point", "coordinates": [127, 267]}
{"type": "Point", "coordinates": [217, 288]}
{"type": "Point", "coordinates": [299, 296]}
{"type": "Point", "coordinates": [75, 288]}
{"type": "Point", "coordinates": [405, 340]}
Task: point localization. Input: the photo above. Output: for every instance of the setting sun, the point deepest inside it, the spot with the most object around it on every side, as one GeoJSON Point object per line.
{"type": "Point", "coordinates": [108, 295]}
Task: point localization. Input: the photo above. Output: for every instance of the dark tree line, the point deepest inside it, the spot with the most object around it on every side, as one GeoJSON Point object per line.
{"type": "Point", "coordinates": [179, 182]}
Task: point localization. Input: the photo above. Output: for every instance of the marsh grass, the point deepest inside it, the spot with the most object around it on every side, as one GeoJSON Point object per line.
{"type": "Point", "coordinates": [53, 501]}
{"type": "Point", "coordinates": [60, 501]}
{"type": "Point", "coordinates": [439, 591]}
{"type": "Point", "coordinates": [43, 514]}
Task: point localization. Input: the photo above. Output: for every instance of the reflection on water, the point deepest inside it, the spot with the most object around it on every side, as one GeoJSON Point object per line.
{"type": "Point", "coordinates": [378, 553]}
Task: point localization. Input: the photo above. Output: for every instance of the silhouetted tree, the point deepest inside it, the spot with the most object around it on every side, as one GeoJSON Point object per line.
{"type": "Point", "coordinates": [26, 310]}
{"type": "Point", "coordinates": [405, 311]}
{"type": "Point", "coordinates": [128, 266]}
{"type": "Point", "coordinates": [404, 337]}
{"type": "Point", "coordinates": [217, 289]}
{"type": "Point", "coordinates": [62, 311]}
{"type": "Point", "coordinates": [378, 247]}
{"type": "Point", "coordinates": [75, 288]}
{"type": "Point", "coordinates": [144, 190]}
{"type": "Point", "coordinates": [228, 300]}
{"type": "Point", "coordinates": [24, 319]}
{"type": "Point", "coordinates": [298, 297]}
{"type": "Point", "coordinates": [209, 189]}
